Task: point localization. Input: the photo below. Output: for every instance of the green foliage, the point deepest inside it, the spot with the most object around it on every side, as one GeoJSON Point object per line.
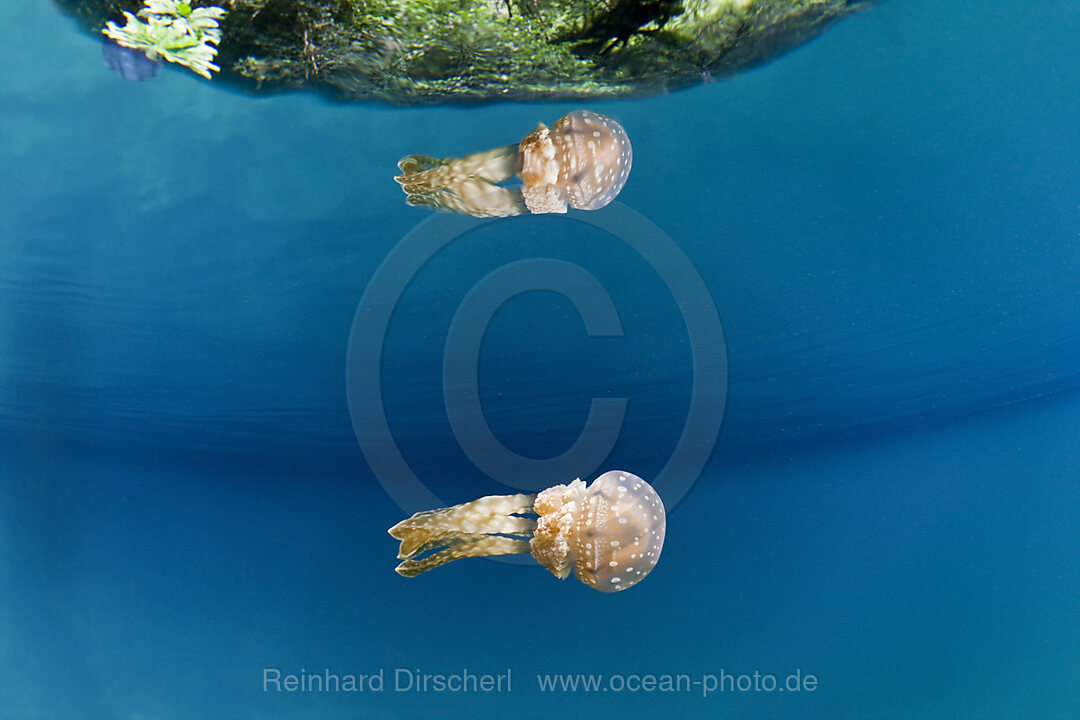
{"type": "Point", "coordinates": [174, 31]}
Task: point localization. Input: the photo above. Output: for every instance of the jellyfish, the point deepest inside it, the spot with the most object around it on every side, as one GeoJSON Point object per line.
{"type": "Point", "coordinates": [582, 161]}
{"type": "Point", "coordinates": [609, 533]}
{"type": "Point", "coordinates": [128, 63]}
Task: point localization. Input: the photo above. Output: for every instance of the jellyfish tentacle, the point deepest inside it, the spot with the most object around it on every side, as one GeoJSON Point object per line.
{"type": "Point", "coordinates": [468, 185]}
{"type": "Point", "coordinates": [470, 196]}
{"type": "Point", "coordinates": [444, 539]}
{"type": "Point", "coordinates": [417, 543]}
{"type": "Point", "coordinates": [486, 545]}
{"type": "Point", "coordinates": [494, 165]}
{"type": "Point", "coordinates": [415, 164]}
{"type": "Point", "coordinates": [491, 515]}
{"type": "Point", "coordinates": [448, 539]}
{"type": "Point", "coordinates": [474, 516]}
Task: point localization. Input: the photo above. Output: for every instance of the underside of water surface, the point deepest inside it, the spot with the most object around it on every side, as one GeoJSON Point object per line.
{"type": "Point", "coordinates": [408, 52]}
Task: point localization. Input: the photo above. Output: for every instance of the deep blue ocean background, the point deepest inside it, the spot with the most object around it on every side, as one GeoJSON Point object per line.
{"type": "Point", "coordinates": [887, 220]}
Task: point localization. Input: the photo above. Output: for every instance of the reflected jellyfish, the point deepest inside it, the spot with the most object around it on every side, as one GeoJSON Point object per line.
{"type": "Point", "coordinates": [582, 161]}
{"type": "Point", "coordinates": [128, 63]}
{"type": "Point", "coordinates": [609, 533]}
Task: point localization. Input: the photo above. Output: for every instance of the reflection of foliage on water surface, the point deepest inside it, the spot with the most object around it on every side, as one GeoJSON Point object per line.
{"type": "Point", "coordinates": [613, 27]}
{"type": "Point", "coordinates": [430, 51]}
{"type": "Point", "coordinates": [172, 30]}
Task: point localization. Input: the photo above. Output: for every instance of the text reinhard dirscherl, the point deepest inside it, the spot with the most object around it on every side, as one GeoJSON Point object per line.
{"type": "Point", "coordinates": [463, 680]}
{"type": "Point", "coordinates": [396, 680]}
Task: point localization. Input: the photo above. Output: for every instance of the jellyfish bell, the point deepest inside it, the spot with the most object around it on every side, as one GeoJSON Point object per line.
{"type": "Point", "coordinates": [609, 533]}
{"type": "Point", "coordinates": [582, 161]}
{"type": "Point", "coordinates": [128, 63]}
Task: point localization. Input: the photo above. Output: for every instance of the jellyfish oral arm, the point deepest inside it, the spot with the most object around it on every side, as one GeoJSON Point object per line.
{"type": "Point", "coordinates": [552, 544]}
{"type": "Point", "coordinates": [492, 525]}
{"type": "Point", "coordinates": [468, 185]}
{"type": "Point", "coordinates": [468, 545]}
{"type": "Point", "coordinates": [540, 171]}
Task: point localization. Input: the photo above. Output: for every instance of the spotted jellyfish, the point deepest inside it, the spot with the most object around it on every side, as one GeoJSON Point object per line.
{"type": "Point", "coordinates": [609, 533]}
{"type": "Point", "coordinates": [582, 161]}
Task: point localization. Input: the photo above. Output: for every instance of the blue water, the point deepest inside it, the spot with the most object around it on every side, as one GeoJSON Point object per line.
{"type": "Point", "coordinates": [887, 221]}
